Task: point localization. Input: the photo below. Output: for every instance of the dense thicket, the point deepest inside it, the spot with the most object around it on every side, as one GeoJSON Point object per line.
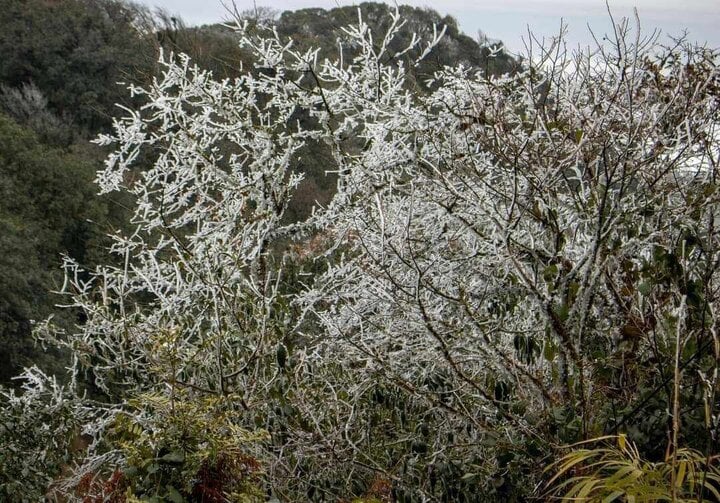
{"type": "Point", "coordinates": [64, 67]}
{"type": "Point", "coordinates": [509, 264]}
{"type": "Point", "coordinates": [357, 257]}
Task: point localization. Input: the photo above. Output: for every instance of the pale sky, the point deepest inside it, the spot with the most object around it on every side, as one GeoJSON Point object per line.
{"type": "Point", "coordinates": [508, 20]}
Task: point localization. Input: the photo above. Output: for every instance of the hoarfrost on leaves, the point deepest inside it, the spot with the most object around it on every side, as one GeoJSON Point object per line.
{"type": "Point", "coordinates": [478, 250]}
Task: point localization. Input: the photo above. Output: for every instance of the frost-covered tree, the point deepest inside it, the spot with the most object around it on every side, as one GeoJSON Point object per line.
{"type": "Point", "coordinates": [508, 263]}
{"type": "Point", "coordinates": [536, 253]}
{"type": "Point", "coordinates": [509, 223]}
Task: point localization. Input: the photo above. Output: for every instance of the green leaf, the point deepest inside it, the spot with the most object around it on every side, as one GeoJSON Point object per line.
{"type": "Point", "coordinates": [174, 495]}
{"type": "Point", "coordinates": [562, 311]}
{"type": "Point", "coordinates": [469, 477]}
{"type": "Point", "coordinates": [612, 496]}
{"type": "Point", "coordinates": [550, 273]}
{"type": "Point", "coordinates": [549, 351]}
{"type": "Point", "coordinates": [174, 457]}
{"type": "Point", "coordinates": [281, 355]}
{"type": "Point", "coordinates": [645, 288]}
{"type": "Point", "coordinates": [130, 472]}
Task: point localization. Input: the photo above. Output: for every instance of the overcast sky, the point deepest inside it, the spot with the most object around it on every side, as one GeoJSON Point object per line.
{"type": "Point", "coordinates": [508, 20]}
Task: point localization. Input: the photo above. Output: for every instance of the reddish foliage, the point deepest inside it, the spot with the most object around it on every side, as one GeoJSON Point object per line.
{"type": "Point", "coordinates": [215, 479]}
{"type": "Point", "coordinates": [111, 490]}
{"type": "Point", "coordinates": [381, 489]}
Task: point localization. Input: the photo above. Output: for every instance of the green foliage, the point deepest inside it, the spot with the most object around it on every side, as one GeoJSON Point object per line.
{"type": "Point", "coordinates": [48, 208]}
{"type": "Point", "coordinates": [75, 52]}
{"type": "Point", "coordinates": [617, 472]}
{"type": "Point", "coordinates": [29, 107]}
{"type": "Point", "coordinates": [183, 448]}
